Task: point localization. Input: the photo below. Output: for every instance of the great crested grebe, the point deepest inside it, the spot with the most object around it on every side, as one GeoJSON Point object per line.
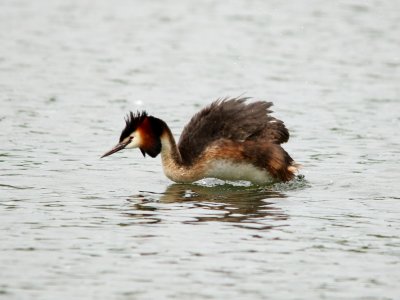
{"type": "Point", "coordinates": [229, 139]}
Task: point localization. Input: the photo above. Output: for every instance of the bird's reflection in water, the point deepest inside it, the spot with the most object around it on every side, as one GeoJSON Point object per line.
{"type": "Point", "coordinates": [246, 206]}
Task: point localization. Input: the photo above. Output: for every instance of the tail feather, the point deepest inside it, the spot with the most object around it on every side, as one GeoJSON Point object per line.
{"type": "Point", "coordinates": [281, 165]}
{"type": "Point", "coordinates": [273, 158]}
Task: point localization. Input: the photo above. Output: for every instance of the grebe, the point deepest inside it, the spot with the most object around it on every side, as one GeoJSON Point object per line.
{"type": "Point", "coordinates": [230, 139]}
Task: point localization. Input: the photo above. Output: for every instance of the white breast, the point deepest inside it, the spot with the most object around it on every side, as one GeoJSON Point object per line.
{"type": "Point", "coordinates": [227, 170]}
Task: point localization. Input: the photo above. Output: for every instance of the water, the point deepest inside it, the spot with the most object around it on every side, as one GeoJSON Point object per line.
{"type": "Point", "coordinates": [76, 227]}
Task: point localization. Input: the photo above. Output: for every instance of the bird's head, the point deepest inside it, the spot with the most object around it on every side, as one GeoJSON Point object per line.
{"type": "Point", "coordinates": [141, 131]}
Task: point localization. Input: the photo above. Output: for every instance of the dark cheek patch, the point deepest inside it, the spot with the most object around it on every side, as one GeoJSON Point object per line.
{"type": "Point", "coordinates": [151, 144]}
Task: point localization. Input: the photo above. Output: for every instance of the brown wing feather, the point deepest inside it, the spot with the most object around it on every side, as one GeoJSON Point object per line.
{"type": "Point", "coordinates": [232, 119]}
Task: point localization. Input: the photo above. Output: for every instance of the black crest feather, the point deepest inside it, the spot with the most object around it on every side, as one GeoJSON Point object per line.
{"type": "Point", "coordinates": [132, 123]}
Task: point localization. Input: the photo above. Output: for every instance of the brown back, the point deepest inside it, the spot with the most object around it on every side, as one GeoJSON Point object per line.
{"type": "Point", "coordinates": [232, 119]}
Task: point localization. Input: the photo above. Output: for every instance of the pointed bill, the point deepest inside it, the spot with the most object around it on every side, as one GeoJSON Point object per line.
{"type": "Point", "coordinates": [117, 148]}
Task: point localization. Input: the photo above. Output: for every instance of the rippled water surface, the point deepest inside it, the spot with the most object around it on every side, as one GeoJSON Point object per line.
{"type": "Point", "coordinates": [73, 226]}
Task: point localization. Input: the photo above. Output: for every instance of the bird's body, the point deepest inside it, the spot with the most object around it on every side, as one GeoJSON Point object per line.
{"type": "Point", "coordinates": [230, 139]}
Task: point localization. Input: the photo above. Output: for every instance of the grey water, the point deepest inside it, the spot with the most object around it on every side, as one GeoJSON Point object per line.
{"type": "Point", "coordinates": [73, 226]}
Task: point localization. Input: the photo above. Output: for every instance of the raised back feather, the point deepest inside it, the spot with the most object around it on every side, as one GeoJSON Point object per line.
{"type": "Point", "coordinates": [231, 119]}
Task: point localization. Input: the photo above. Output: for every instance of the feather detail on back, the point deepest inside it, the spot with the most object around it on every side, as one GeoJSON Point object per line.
{"type": "Point", "coordinates": [232, 119]}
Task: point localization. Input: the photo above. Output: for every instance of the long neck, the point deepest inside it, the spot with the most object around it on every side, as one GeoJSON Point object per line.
{"type": "Point", "coordinates": [169, 150]}
{"type": "Point", "coordinates": [171, 158]}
